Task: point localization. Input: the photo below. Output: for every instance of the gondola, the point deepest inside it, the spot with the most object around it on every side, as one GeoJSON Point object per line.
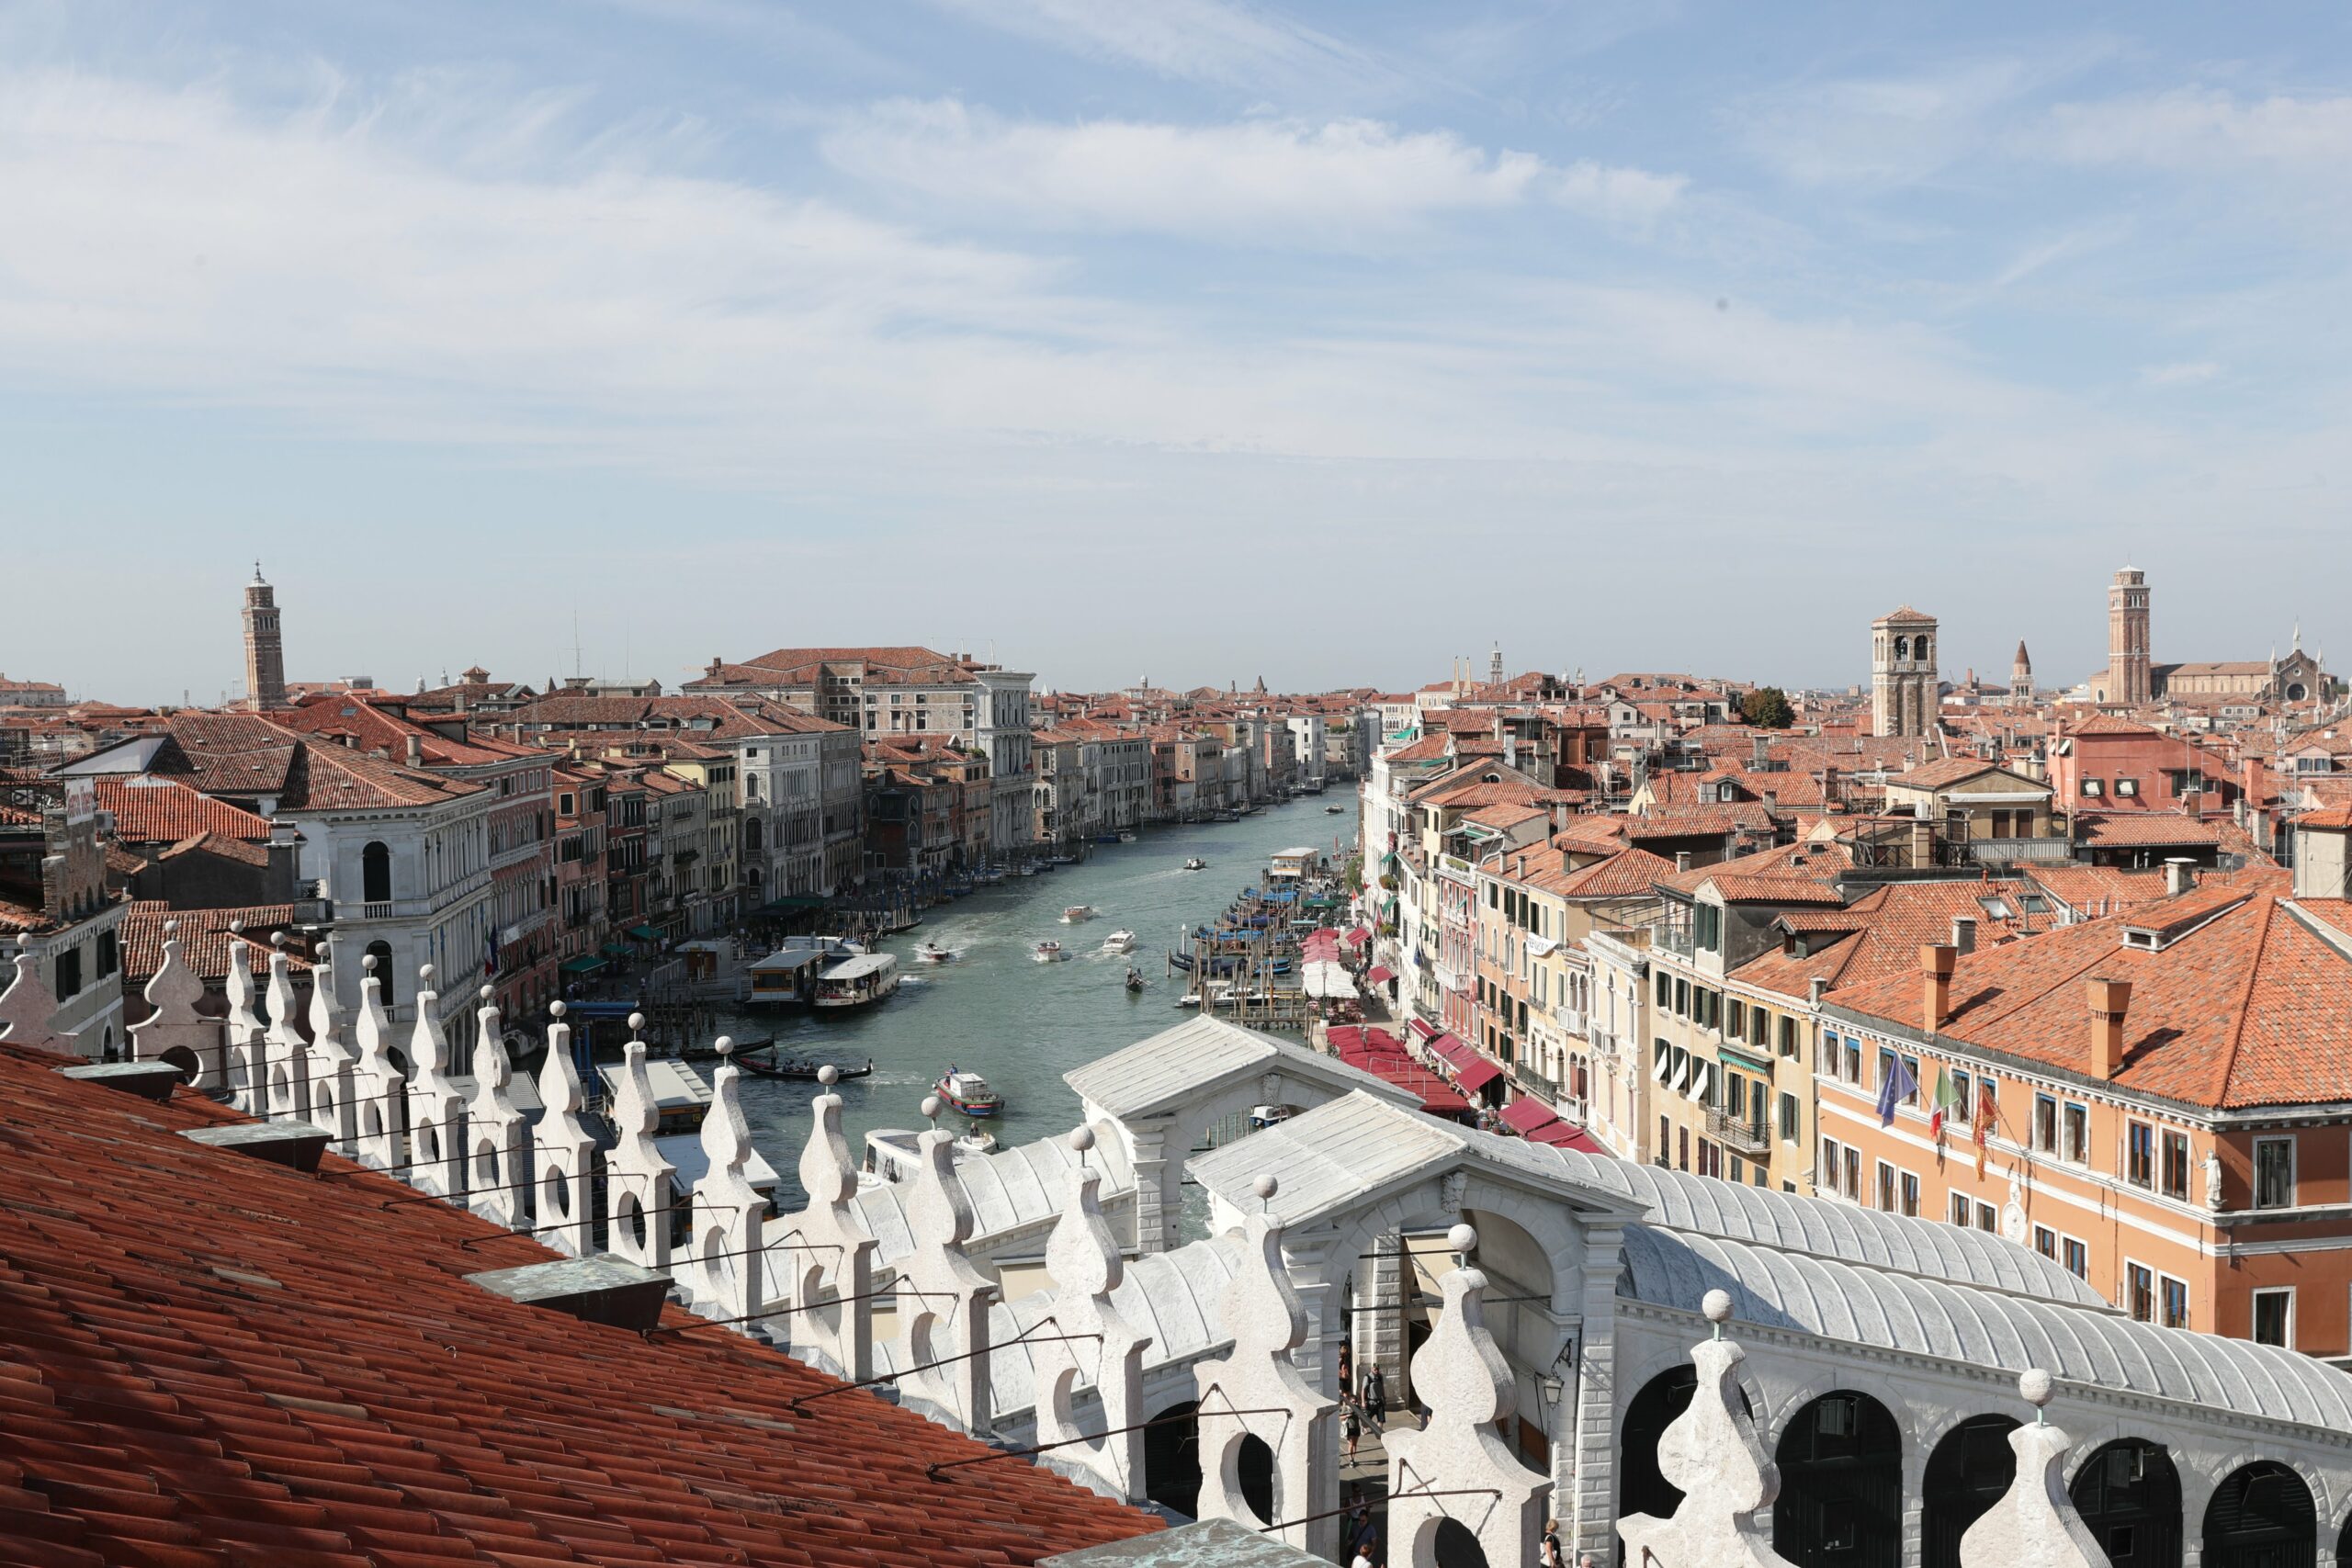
{"type": "Point", "coordinates": [804, 1072]}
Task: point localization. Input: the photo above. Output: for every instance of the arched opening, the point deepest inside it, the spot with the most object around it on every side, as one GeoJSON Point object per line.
{"type": "Point", "coordinates": [633, 1221]}
{"type": "Point", "coordinates": [555, 1193]}
{"type": "Point", "coordinates": [1841, 1486]}
{"type": "Point", "coordinates": [376, 871]}
{"type": "Point", "coordinates": [486, 1164]}
{"type": "Point", "coordinates": [2261, 1516]}
{"type": "Point", "coordinates": [1253, 1471]}
{"type": "Point", "coordinates": [752, 834]}
{"type": "Point", "coordinates": [381, 951]}
{"type": "Point", "coordinates": [1641, 1488]}
{"type": "Point", "coordinates": [1972, 1466]}
{"type": "Point", "coordinates": [1171, 1459]}
{"type": "Point", "coordinates": [2129, 1496]}
{"type": "Point", "coordinates": [1455, 1547]}
{"type": "Point", "coordinates": [184, 1059]}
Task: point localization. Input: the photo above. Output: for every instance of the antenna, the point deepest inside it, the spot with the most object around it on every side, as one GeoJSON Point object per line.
{"type": "Point", "coordinates": [575, 640]}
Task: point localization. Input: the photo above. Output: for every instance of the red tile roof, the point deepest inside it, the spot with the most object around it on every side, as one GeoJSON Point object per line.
{"type": "Point", "coordinates": [209, 1360]}
{"type": "Point", "coordinates": [150, 810]}
{"type": "Point", "coordinates": [206, 942]}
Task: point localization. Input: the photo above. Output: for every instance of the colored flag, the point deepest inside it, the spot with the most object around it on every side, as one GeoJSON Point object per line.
{"type": "Point", "coordinates": [1947, 1096]}
{"type": "Point", "coordinates": [490, 955]}
{"type": "Point", "coordinates": [1984, 1113]}
{"type": "Point", "coordinates": [1898, 1086]}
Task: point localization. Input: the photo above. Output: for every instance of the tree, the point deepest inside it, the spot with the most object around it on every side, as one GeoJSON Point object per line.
{"type": "Point", "coordinates": [1767, 707]}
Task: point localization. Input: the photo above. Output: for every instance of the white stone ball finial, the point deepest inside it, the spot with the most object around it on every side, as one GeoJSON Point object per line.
{"type": "Point", "coordinates": [1716, 1306]}
{"type": "Point", "coordinates": [171, 927]}
{"type": "Point", "coordinates": [487, 992]}
{"type": "Point", "coordinates": [829, 1075]}
{"type": "Point", "coordinates": [1463, 1239]}
{"type": "Point", "coordinates": [1081, 1138]}
{"type": "Point", "coordinates": [931, 1108]}
{"type": "Point", "coordinates": [637, 1023]}
{"type": "Point", "coordinates": [278, 939]}
{"type": "Point", "coordinates": [724, 1045]}
{"type": "Point", "coordinates": [2037, 1385]}
{"type": "Point", "coordinates": [1266, 1186]}
{"type": "Point", "coordinates": [236, 928]}
{"type": "Point", "coordinates": [425, 972]}
{"type": "Point", "coordinates": [556, 1009]}
{"type": "Point", "coordinates": [367, 964]}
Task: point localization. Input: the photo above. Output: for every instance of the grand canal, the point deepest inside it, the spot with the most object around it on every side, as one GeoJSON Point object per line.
{"type": "Point", "coordinates": [1020, 1023]}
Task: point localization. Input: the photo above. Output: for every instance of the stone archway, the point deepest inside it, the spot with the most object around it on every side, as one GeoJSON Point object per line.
{"type": "Point", "coordinates": [2128, 1493]}
{"type": "Point", "coordinates": [1841, 1484]}
{"type": "Point", "coordinates": [1171, 1459]}
{"type": "Point", "coordinates": [2261, 1516]}
{"type": "Point", "coordinates": [1969, 1470]}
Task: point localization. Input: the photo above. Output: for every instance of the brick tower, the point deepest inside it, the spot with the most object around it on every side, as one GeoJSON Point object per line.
{"type": "Point", "coordinates": [265, 654]}
{"type": "Point", "coordinates": [1904, 695]}
{"type": "Point", "coordinates": [2127, 638]}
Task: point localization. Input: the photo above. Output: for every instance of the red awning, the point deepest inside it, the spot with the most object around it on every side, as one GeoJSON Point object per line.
{"type": "Point", "coordinates": [1379, 973]}
{"type": "Point", "coordinates": [1343, 1037]}
{"type": "Point", "coordinates": [1476, 1076]}
{"type": "Point", "coordinates": [1423, 1029]}
{"type": "Point", "coordinates": [1560, 1134]}
{"type": "Point", "coordinates": [1437, 1099]}
{"type": "Point", "coordinates": [1380, 1039]}
{"type": "Point", "coordinates": [1358, 934]}
{"type": "Point", "coordinates": [1449, 1049]}
{"type": "Point", "coordinates": [1524, 1114]}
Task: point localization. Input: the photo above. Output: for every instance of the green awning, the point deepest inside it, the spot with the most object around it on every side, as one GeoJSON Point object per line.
{"type": "Point", "coordinates": [789, 905]}
{"type": "Point", "coordinates": [587, 963]}
{"type": "Point", "coordinates": [645, 933]}
{"type": "Point", "coordinates": [615, 950]}
{"type": "Point", "coordinates": [1741, 1059]}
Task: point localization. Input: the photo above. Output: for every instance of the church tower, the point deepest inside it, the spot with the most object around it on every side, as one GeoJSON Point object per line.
{"type": "Point", "coordinates": [1903, 698]}
{"type": "Point", "coordinates": [2022, 677]}
{"type": "Point", "coordinates": [2128, 677]}
{"type": "Point", "coordinates": [265, 654]}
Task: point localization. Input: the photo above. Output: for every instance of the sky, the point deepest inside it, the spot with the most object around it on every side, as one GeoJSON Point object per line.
{"type": "Point", "coordinates": [1199, 340]}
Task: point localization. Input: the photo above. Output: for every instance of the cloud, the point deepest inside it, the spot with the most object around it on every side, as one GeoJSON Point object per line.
{"type": "Point", "coordinates": [1880, 130]}
{"type": "Point", "coordinates": [1195, 40]}
{"type": "Point", "coordinates": [2188, 374]}
{"type": "Point", "coordinates": [1259, 181]}
{"type": "Point", "coordinates": [2196, 127]}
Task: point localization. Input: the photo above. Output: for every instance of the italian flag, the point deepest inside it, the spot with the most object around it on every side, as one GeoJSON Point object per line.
{"type": "Point", "coordinates": [1947, 1097]}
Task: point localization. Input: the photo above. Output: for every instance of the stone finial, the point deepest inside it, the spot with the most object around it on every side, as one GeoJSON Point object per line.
{"type": "Point", "coordinates": [728, 1276]}
{"type": "Point", "coordinates": [377, 1082]}
{"type": "Point", "coordinates": [334, 1085]}
{"type": "Point", "coordinates": [830, 1256]}
{"type": "Point", "coordinates": [328, 1017]}
{"type": "Point", "coordinates": [287, 1054]}
{"type": "Point", "coordinates": [943, 1311]}
{"type": "Point", "coordinates": [1711, 1452]}
{"type": "Point", "coordinates": [637, 1175]}
{"type": "Point", "coordinates": [27, 1008]}
{"type": "Point", "coordinates": [1261, 1309]}
{"type": "Point", "coordinates": [438, 1100]}
{"type": "Point", "coordinates": [1461, 1375]}
{"type": "Point", "coordinates": [1083, 1256]}
{"type": "Point", "coordinates": [2034, 1524]}
{"type": "Point", "coordinates": [563, 1148]}
{"type": "Point", "coordinates": [175, 1025]}
{"type": "Point", "coordinates": [496, 1134]}
{"type": "Point", "coordinates": [244, 1067]}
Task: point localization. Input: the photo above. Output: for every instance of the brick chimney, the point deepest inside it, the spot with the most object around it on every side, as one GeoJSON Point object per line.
{"type": "Point", "coordinates": [415, 751]}
{"type": "Point", "coordinates": [1815, 987]}
{"type": "Point", "coordinates": [2110, 1001]}
{"type": "Point", "coordinates": [1682, 859]}
{"type": "Point", "coordinates": [1963, 933]}
{"type": "Point", "coordinates": [2180, 876]}
{"type": "Point", "coordinates": [1937, 961]}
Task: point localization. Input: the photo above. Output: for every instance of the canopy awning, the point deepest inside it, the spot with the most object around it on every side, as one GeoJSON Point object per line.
{"type": "Point", "coordinates": [1476, 1076]}
{"type": "Point", "coordinates": [1380, 974]}
{"type": "Point", "coordinates": [644, 933]}
{"type": "Point", "coordinates": [789, 905]}
{"type": "Point", "coordinates": [1524, 1115]}
{"type": "Point", "coordinates": [1359, 933]}
{"type": "Point", "coordinates": [586, 964]}
{"type": "Point", "coordinates": [1422, 1029]}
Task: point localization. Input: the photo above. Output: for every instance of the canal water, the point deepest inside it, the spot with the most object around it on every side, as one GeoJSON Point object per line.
{"type": "Point", "coordinates": [997, 1011]}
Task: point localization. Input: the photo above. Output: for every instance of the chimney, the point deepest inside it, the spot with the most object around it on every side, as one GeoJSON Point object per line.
{"type": "Point", "coordinates": [1815, 989]}
{"type": "Point", "coordinates": [2110, 1000]}
{"type": "Point", "coordinates": [1758, 747]}
{"type": "Point", "coordinates": [1937, 961]}
{"type": "Point", "coordinates": [415, 751]}
{"type": "Point", "coordinates": [2180, 876]}
{"type": "Point", "coordinates": [1963, 933]}
{"type": "Point", "coordinates": [1682, 859]}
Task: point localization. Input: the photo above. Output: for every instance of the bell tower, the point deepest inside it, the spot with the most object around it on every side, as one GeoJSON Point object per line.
{"type": "Point", "coordinates": [265, 653]}
{"type": "Point", "coordinates": [2128, 676]}
{"type": "Point", "coordinates": [2022, 677]}
{"type": "Point", "coordinates": [1904, 695]}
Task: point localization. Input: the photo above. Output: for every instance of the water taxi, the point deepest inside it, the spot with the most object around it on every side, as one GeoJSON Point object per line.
{"type": "Point", "coordinates": [1077, 912]}
{"type": "Point", "coordinates": [1336, 810]}
{"type": "Point", "coordinates": [1047, 953]}
{"type": "Point", "coordinates": [1196, 863]}
{"type": "Point", "coordinates": [857, 982]}
{"type": "Point", "coordinates": [967, 1094]}
{"type": "Point", "coordinates": [1127, 835]}
{"type": "Point", "coordinates": [1120, 941]}
{"type": "Point", "coordinates": [932, 953]}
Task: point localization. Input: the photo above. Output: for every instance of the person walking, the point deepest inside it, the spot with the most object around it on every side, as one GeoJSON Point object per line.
{"type": "Point", "coordinates": [1551, 1548]}
{"type": "Point", "coordinates": [1350, 1428]}
{"type": "Point", "coordinates": [1347, 1369]}
{"type": "Point", "coordinates": [1375, 1398]}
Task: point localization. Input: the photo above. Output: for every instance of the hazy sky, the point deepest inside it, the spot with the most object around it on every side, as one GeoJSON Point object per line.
{"type": "Point", "coordinates": [1188, 337]}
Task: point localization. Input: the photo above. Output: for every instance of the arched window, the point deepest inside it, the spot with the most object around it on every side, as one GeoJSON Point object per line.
{"type": "Point", "coordinates": [1841, 1486]}
{"type": "Point", "coordinates": [376, 871]}
{"type": "Point", "coordinates": [1971, 1468]}
{"type": "Point", "coordinates": [2129, 1496]}
{"type": "Point", "coordinates": [2261, 1518]}
{"type": "Point", "coordinates": [1172, 1459]}
{"type": "Point", "coordinates": [381, 951]}
{"type": "Point", "coordinates": [752, 834]}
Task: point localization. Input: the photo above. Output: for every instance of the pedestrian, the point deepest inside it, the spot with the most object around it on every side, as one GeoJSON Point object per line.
{"type": "Point", "coordinates": [1347, 1369]}
{"type": "Point", "coordinates": [1349, 1428]}
{"type": "Point", "coordinates": [1367, 1541]}
{"type": "Point", "coordinates": [1552, 1544]}
{"type": "Point", "coordinates": [1375, 1398]}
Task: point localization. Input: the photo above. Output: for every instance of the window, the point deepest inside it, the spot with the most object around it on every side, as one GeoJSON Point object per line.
{"type": "Point", "coordinates": [1962, 1103]}
{"type": "Point", "coordinates": [68, 972]}
{"type": "Point", "coordinates": [2094, 788]}
{"type": "Point", "coordinates": [1665, 989]}
{"type": "Point", "coordinates": [2140, 1292]}
{"type": "Point", "coordinates": [109, 954]}
{"type": "Point", "coordinates": [2127, 786]}
{"type": "Point", "coordinates": [1885, 1187]}
{"type": "Point", "coordinates": [1736, 1019]}
{"type": "Point", "coordinates": [2176, 1166]}
{"type": "Point", "coordinates": [2045, 1241]}
{"type": "Point", "coordinates": [1854, 1174]}
{"type": "Point", "coordinates": [2078, 1134]}
{"type": "Point", "coordinates": [1788, 1037]}
{"type": "Point", "coordinates": [1788, 1118]}
{"type": "Point", "coordinates": [2139, 1153]}
{"type": "Point", "coordinates": [2172, 1297]}
{"type": "Point", "coordinates": [1985, 1218]}
{"type": "Point", "coordinates": [1910, 1195]}
{"type": "Point", "coordinates": [2274, 1175]}
{"type": "Point", "coordinates": [1830, 1164]}
{"type": "Point", "coordinates": [2045, 1124]}
{"type": "Point", "coordinates": [2076, 1256]}
{"type": "Point", "coordinates": [1960, 1210]}
{"type": "Point", "coordinates": [1682, 999]}
{"type": "Point", "coordinates": [1851, 1067]}
{"type": "Point", "coordinates": [2274, 1317]}
{"type": "Point", "coordinates": [376, 871]}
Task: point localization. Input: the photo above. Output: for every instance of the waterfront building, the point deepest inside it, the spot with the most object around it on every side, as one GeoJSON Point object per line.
{"type": "Point", "coordinates": [63, 921]}
{"type": "Point", "coordinates": [22, 693]}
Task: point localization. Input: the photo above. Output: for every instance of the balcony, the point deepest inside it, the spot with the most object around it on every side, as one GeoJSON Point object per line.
{"type": "Point", "coordinates": [1736, 1134]}
{"type": "Point", "coordinates": [2014, 851]}
{"type": "Point", "coordinates": [1572, 1020]}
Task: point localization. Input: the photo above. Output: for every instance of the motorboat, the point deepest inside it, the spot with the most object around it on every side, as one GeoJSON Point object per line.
{"type": "Point", "coordinates": [1126, 835]}
{"type": "Point", "coordinates": [1196, 863]}
{"type": "Point", "coordinates": [932, 953]}
{"type": "Point", "coordinates": [1024, 869]}
{"type": "Point", "coordinates": [1135, 981]}
{"type": "Point", "coordinates": [857, 982]}
{"type": "Point", "coordinates": [1120, 941]}
{"type": "Point", "coordinates": [1077, 912]}
{"type": "Point", "coordinates": [967, 1094]}
{"type": "Point", "coordinates": [1335, 810]}
{"type": "Point", "coordinates": [1047, 953]}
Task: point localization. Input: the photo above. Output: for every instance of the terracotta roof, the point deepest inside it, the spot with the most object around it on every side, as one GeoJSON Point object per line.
{"type": "Point", "coordinates": [151, 810]}
{"type": "Point", "coordinates": [1880, 935]}
{"type": "Point", "coordinates": [1943, 770]}
{"type": "Point", "coordinates": [1628, 874]}
{"type": "Point", "coordinates": [206, 1358]}
{"type": "Point", "coordinates": [2109, 724]}
{"type": "Point", "coordinates": [206, 942]}
{"type": "Point", "coordinates": [1695, 821]}
{"type": "Point", "coordinates": [2160, 827]}
{"type": "Point", "coordinates": [717, 717]}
